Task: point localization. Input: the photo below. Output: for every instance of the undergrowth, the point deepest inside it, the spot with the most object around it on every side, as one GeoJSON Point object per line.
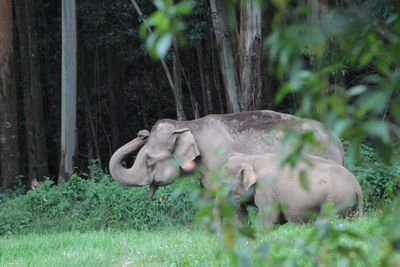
{"type": "Point", "coordinates": [380, 182]}
{"type": "Point", "coordinates": [99, 203]}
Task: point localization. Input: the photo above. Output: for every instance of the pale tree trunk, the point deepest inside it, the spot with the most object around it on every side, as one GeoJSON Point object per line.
{"type": "Point", "coordinates": [9, 153]}
{"type": "Point", "coordinates": [32, 88]}
{"type": "Point", "coordinates": [227, 63]}
{"type": "Point", "coordinates": [250, 54]}
{"type": "Point", "coordinates": [315, 14]}
{"type": "Point", "coordinates": [68, 88]}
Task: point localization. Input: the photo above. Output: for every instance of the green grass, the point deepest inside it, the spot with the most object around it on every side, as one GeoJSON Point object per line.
{"type": "Point", "coordinates": [109, 248]}
{"type": "Point", "coordinates": [189, 246]}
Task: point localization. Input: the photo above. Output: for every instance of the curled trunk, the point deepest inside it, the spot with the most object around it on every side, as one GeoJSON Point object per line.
{"type": "Point", "coordinates": [137, 174]}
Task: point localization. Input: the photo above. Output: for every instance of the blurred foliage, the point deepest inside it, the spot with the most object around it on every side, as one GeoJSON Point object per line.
{"type": "Point", "coordinates": [163, 26]}
{"type": "Point", "coordinates": [308, 54]}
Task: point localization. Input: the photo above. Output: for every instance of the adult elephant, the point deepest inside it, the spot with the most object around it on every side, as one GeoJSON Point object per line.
{"type": "Point", "coordinates": [173, 146]}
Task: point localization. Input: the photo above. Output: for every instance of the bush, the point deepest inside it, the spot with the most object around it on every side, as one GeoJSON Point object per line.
{"type": "Point", "coordinates": [380, 182]}
{"type": "Point", "coordinates": [97, 203]}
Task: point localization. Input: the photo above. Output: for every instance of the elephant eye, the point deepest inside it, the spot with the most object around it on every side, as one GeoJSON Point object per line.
{"type": "Point", "coordinates": [150, 160]}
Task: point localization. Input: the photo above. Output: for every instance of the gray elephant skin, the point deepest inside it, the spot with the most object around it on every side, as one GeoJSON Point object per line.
{"type": "Point", "coordinates": [279, 194]}
{"type": "Point", "coordinates": [174, 148]}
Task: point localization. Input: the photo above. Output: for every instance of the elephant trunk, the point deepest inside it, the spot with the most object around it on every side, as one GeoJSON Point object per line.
{"type": "Point", "coordinates": [137, 174]}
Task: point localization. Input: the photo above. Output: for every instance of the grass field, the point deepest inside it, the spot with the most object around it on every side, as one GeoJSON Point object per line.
{"type": "Point", "coordinates": [190, 246]}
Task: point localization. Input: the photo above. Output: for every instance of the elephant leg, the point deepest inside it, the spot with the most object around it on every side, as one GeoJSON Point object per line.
{"type": "Point", "coordinates": [269, 215]}
{"type": "Point", "coordinates": [269, 210]}
{"type": "Point", "coordinates": [242, 213]}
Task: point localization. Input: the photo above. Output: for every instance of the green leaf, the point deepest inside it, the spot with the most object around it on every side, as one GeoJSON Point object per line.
{"type": "Point", "coordinates": [183, 8]}
{"type": "Point", "coordinates": [163, 44]}
{"type": "Point", "coordinates": [282, 93]}
{"type": "Point", "coordinates": [161, 21]}
{"type": "Point", "coordinates": [151, 39]}
{"type": "Point", "coordinates": [373, 101]}
{"type": "Point", "coordinates": [281, 4]}
{"type": "Point", "coordinates": [377, 128]}
{"type": "Point", "coordinates": [143, 32]}
{"type": "Point", "coordinates": [356, 90]}
{"type": "Point", "coordinates": [341, 126]}
{"type": "Point", "coordinates": [159, 4]}
{"type": "Point", "coordinates": [385, 150]}
{"type": "Point", "coordinates": [304, 180]}
{"type": "Point", "coordinates": [395, 107]}
{"type": "Point", "coordinates": [228, 235]}
{"type": "Point", "coordinates": [247, 231]}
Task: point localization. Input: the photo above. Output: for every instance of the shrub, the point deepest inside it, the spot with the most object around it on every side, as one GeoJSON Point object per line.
{"type": "Point", "coordinates": [97, 203]}
{"type": "Point", "coordinates": [380, 182]}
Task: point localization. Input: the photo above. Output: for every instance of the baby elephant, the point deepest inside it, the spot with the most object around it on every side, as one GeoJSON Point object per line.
{"type": "Point", "coordinates": [278, 193]}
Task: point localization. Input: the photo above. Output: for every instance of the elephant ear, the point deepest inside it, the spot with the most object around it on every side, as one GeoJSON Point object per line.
{"type": "Point", "coordinates": [247, 175]}
{"type": "Point", "coordinates": [185, 148]}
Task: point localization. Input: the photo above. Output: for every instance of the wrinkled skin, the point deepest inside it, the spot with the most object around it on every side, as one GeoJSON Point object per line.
{"type": "Point", "coordinates": [174, 148]}
{"type": "Point", "coordinates": [278, 193]}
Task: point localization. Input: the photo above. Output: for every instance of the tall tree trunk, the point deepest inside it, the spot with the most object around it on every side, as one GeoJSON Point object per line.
{"type": "Point", "coordinates": [9, 153]}
{"type": "Point", "coordinates": [227, 63]}
{"type": "Point", "coordinates": [250, 54]}
{"type": "Point", "coordinates": [176, 72]}
{"type": "Point", "coordinates": [68, 88]}
{"type": "Point", "coordinates": [115, 87]}
{"type": "Point", "coordinates": [318, 10]}
{"type": "Point", "coordinates": [24, 76]}
{"type": "Point", "coordinates": [33, 94]}
{"type": "Point", "coordinates": [91, 134]}
{"type": "Point", "coordinates": [204, 90]}
{"type": "Point", "coordinates": [215, 72]}
{"type": "Point", "coordinates": [268, 82]}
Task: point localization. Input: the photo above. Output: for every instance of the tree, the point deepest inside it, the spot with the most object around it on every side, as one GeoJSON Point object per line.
{"type": "Point", "coordinates": [243, 90]}
{"type": "Point", "coordinates": [68, 87]}
{"type": "Point", "coordinates": [36, 146]}
{"type": "Point", "coordinates": [115, 87]}
{"type": "Point", "coordinates": [9, 152]}
{"type": "Point", "coordinates": [249, 50]}
{"type": "Point", "coordinates": [226, 56]}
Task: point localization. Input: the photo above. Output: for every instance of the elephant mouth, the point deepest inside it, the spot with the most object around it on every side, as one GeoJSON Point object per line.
{"type": "Point", "coordinates": [153, 188]}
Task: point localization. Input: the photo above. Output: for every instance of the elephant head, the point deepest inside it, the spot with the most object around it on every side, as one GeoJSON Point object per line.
{"type": "Point", "coordinates": [158, 162]}
{"type": "Point", "coordinates": [240, 175]}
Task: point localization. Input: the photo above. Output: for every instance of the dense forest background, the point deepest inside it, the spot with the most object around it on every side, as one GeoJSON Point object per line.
{"type": "Point", "coordinates": [121, 90]}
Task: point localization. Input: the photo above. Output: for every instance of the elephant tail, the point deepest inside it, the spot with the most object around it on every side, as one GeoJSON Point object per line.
{"type": "Point", "coordinates": [360, 206]}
